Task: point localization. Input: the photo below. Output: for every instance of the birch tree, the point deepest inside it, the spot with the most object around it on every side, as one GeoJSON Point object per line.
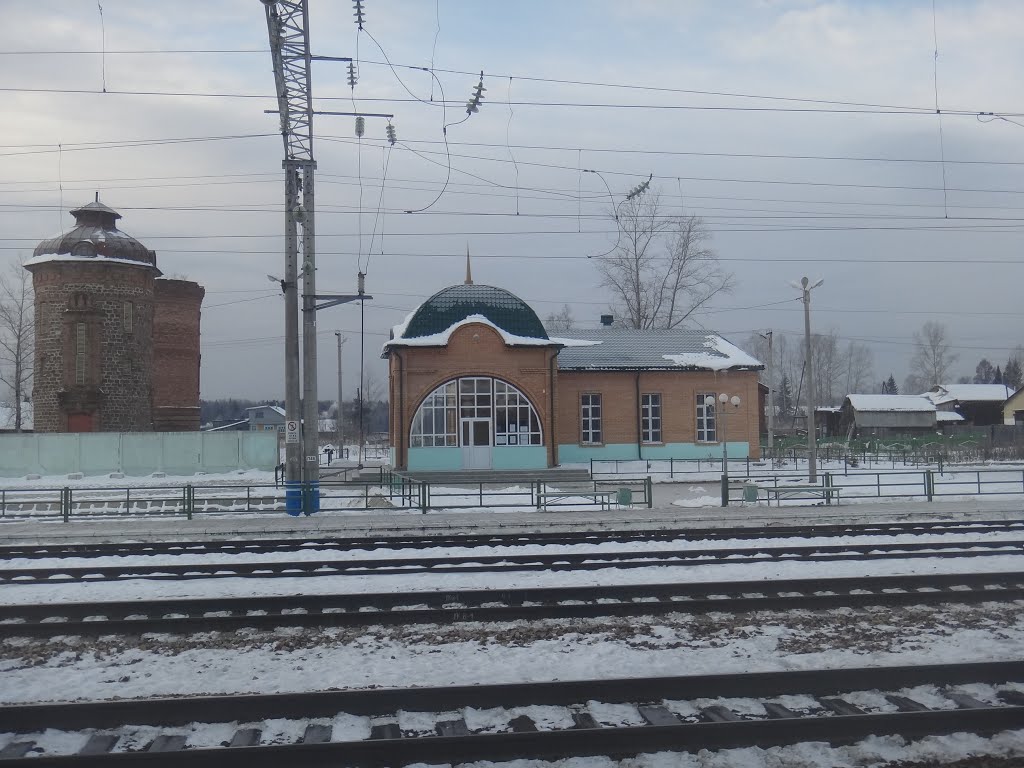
{"type": "Point", "coordinates": [662, 268]}
{"type": "Point", "coordinates": [932, 359]}
{"type": "Point", "coordinates": [17, 337]}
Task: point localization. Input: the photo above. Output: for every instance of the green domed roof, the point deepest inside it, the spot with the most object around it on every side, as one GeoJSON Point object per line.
{"type": "Point", "coordinates": [454, 304]}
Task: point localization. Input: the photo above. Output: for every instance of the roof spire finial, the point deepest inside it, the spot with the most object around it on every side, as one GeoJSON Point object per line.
{"type": "Point", "coordinates": [469, 271]}
{"type": "Point", "coordinates": [97, 195]}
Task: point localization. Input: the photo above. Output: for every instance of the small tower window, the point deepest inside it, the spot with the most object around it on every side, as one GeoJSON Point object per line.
{"type": "Point", "coordinates": [81, 348]}
{"type": "Point", "coordinates": [127, 317]}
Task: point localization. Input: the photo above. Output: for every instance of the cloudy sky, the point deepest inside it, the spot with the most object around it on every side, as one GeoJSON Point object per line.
{"type": "Point", "coordinates": [803, 132]}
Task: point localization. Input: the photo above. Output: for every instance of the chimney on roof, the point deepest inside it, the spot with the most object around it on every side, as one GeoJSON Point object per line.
{"type": "Point", "coordinates": [606, 320]}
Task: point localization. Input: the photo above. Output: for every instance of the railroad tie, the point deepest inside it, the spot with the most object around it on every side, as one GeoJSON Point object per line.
{"type": "Point", "coordinates": [1011, 696]}
{"type": "Point", "coordinates": [583, 720]}
{"type": "Point", "coordinates": [522, 724]}
{"type": "Point", "coordinates": [967, 702]}
{"type": "Point", "coordinates": [452, 728]}
{"type": "Point", "coordinates": [317, 734]}
{"type": "Point", "coordinates": [903, 704]}
{"type": "Point", "coordinates": [777, 711]}
{"type": "Point", "coordinates": [841, 707]}
{"type": "Point", "coordinates": [164, 743]}
{"type": "Point", "coordinates": [386, 731]}
{"type": "Point", "coordinates": [99, 744]}
{"type": "Point", "coordinates": [655, 714]}
{"type": "Point", "coordinates": [245, 737]}
{"type": "Point", "coordinates": [719, 714]}
{"type": "Point", "coordinates": [16, 749]}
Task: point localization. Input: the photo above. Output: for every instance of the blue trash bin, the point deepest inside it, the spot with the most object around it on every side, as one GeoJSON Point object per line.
{"type": "Point", "coordinates": [293, 497]}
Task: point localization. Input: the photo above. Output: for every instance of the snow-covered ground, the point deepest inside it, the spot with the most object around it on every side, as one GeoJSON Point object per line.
{"type": "Point", "coordinates": [70, 668]}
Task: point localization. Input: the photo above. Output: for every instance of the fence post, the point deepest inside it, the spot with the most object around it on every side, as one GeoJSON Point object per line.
{"type": "Point", "coordinates": [481, 494]}
{"type": "Point", "coordinates": [648, 488]}
{"type": "Point", "coordinates": [929, 485]}
{"type": "Point", "coordinates": [671, 468]}
{"type": "Point", "coordinates": [3, 502]}
{"type": "Point", "coordinates": [190, 500]}
{"type": "Point", "coordinates": [828, 493]}
{"type": "Point", "coordinates": [65, 503]}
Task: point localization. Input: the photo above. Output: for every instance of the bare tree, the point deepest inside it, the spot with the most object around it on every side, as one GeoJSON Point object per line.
{"type": "Point", "coordinates": [860, 364]}
{"type": "Point", "coordinates": [561, 321]}
{"type": "Point", "coordinates": [17, 336]}
{"type": "Point", "coordinates": [933, 357]}
{"type": "Point", "coordinates": [661, 269]}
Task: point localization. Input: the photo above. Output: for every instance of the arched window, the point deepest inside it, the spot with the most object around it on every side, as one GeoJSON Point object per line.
{"type": "Point", "coordinates": [514, 420]}
{"type": "Point", "coordinates": [436, 423]}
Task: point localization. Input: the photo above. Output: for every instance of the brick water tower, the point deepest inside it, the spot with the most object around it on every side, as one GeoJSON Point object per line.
{"type": "Point", "coordinates": [95, 308]}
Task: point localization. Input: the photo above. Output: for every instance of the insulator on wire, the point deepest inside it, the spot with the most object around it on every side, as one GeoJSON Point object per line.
{"type": "Point", "coordinates": [352, 77]}
{"type": "Point", "coordinates": [358, 5]}
{"type": "Point", "coordinates": [473, 105]}
{"type": "Point", "coordinates": [392, 136]}
{"type": "Point", "coordinates": [639, 189]}
{"type": "Point", "coordinates": [360, 126]}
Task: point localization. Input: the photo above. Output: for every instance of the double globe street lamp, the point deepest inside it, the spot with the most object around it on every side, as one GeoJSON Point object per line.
{"type": "Point", "coordinates": [725, 400]}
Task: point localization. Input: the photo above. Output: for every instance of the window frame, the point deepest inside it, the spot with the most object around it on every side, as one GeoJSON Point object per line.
{"type": "Point", "coordinates": [652, 425]}
{"type": "Point", "coordinates": [706, 424]}
{"type": "Point", "coordinates": [81, 353]}
{"type": "Point", "coordinates": [588, 402]}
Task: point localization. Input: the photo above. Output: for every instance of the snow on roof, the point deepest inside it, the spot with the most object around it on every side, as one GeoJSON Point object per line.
{"type": "Point", "coordinates": [948, 416]}
{"type": "Point", "coordinates": [48, 257]}
{"type": "Point", "coordinates": [910, 403]}
{"type": "Point", "coordinates": [652, 349]}
{"type": "Point", "coordinates": [975, 393]}
{"type": "Point", "coordinates": [441, 339]}
{"type": "Point", "coordinates": [276, 408]}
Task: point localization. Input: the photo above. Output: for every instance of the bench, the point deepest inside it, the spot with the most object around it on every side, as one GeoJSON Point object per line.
{"type": "Point", "coordinates": [604, 498]}
{"type": "Point", "coordinates": [803, 492]}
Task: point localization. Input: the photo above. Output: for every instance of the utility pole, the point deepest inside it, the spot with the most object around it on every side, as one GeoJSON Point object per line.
{"type": "Point", "coordinates": [771, 391]}
{"type": "Point", "coordinates": [341, 401]}
{"type": "Point", "coordinates": [812, 438]}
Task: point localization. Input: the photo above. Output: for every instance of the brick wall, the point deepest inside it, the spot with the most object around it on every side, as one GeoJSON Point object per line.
{"type": "Point", "coordinates": [116, 390]}
{"type": "Point", "coordinates": [473, 350]}
{"type": "Point", "coordinates": [176, 357]}
{"type": "Point", "coordinates": [678, 389]}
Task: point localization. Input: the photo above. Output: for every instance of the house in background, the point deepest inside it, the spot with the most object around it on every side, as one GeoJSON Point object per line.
{"type": "Point", "coordinates": [980, 405]}
{"type": "Point", "coordinates": [265, 418]}
{"type": "Point", "coordinates": [887, 415]}
{"type": "Point", "coordinates": [1013, 409]}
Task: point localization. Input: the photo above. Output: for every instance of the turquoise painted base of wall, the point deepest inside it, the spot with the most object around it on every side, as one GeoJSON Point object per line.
{"type": "Point", "coordinates": [520, 457]}
{"type": "Point", "coordinates": [446, 459]}
{"type": "Point", "coordinates": [581, 454]}
{"type": "Point", "coordinates": [435, 459]}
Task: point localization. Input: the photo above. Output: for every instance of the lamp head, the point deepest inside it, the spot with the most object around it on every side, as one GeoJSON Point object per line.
{"type": "Point", "coordinates": [735, 401]}
{"type": "Point", "coordinates": [709, 401]}
{"type": "Point", "coordinates": [723, 398]}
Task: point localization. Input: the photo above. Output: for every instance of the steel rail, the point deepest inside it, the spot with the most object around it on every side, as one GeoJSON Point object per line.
{"type": "Point", "coordinates": [593, 560]}
{"type": "Point", "coordinates": [721, 727]}
{"type": "Point", "coordinates": [444, 538]}
{"type": "Point", "coordinates": [444, 607]}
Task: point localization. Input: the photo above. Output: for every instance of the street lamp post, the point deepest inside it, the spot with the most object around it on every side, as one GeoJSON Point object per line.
{"type": "Point", "coordinates": [724, 399]}
{"type": "Point", "coordinates": [341, 402]}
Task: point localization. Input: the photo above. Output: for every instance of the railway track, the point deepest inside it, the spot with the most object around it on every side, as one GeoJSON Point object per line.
{"type": "Point", "coordinates": [594, 560]}
{"type": "Point", "coordinates": [423, 541]}
{"type": "Point", "coordinates": [444, 607]}
{"type": "Point", "coordinates": [617, 718]}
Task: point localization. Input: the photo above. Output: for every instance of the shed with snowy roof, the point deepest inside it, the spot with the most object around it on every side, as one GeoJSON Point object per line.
{"type": "Point", "coordinates": [477, 383]}
{"type": "Point", "coordinates": [980, 405]}
{"type": "Point", "coordinates": [883, 415]}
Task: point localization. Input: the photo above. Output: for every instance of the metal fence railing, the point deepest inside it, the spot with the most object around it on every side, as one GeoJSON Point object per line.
{"type": "Point", "coordinates": [386, 491]}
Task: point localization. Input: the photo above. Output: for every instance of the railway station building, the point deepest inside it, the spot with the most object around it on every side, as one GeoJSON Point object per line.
{"type": "Point", "coordinates": [477, 383]}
